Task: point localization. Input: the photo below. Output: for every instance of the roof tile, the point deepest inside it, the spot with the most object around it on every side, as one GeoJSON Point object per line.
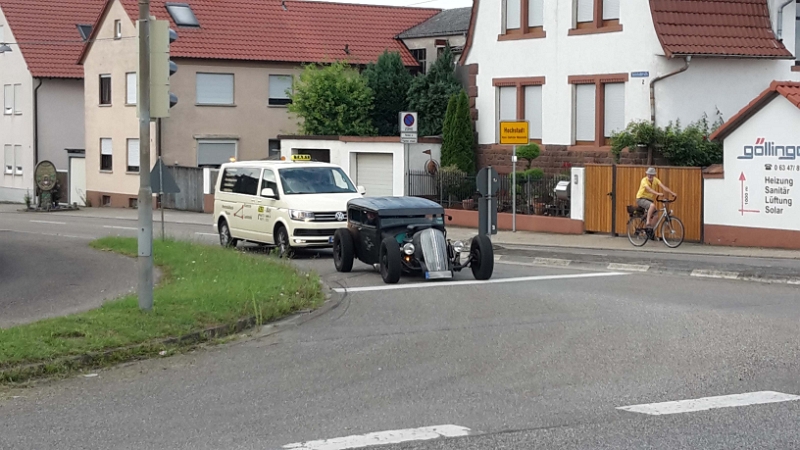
{"type": "Point", "coordinates": [47, 34]}
{"type": "Point", "coordinates": [716, 28]}
{"type": "Point", "coordinates": [307, 31]}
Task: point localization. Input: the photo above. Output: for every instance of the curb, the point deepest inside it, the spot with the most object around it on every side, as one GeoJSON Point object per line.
{"type": "Point", "coordinates": [93, 360]}
{"type": "Point", "coordinates": [645, 268]}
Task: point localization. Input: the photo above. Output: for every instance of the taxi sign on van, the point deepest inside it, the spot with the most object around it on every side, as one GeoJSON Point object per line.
{"type": "Point", "coordinates": [301, 157]}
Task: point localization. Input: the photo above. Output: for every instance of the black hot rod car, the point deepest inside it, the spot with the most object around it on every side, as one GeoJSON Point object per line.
{"type": "Point", "coordinates": [406, 235]}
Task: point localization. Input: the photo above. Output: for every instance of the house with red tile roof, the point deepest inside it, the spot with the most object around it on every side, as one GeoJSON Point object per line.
{"type": "Point", "coordinates": [751, 200]}
{"type": "Point", "coordinates": [236, 61]}
{"type": "Point", "coordinates": [42, 84]}
{"type": "Point", "coordinates": [579, 70]}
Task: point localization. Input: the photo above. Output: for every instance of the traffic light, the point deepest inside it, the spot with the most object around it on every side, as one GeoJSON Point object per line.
{"type": "Point", "coordinates": [161, 68]}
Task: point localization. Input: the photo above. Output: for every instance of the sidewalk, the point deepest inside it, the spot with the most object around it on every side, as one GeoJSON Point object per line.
{"type": "Point", "coordinates": [182, 217]}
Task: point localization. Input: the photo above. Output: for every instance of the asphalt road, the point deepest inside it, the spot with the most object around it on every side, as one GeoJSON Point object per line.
{"type": "Point", "coordinates": [536, 358]}
{"type": "Point", "coordinates": [45, 276]}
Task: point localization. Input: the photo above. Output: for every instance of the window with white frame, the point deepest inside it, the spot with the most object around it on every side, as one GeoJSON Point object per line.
{"type": "Point", "coordinates": [18, 160]}
{"type": "Point", "coordinates": [8, 99]}
{"type": "Point", "coordinates": [533, 110]}
{"type": "Point", "coordinates": [133, 156]}
{"type": "Point", "coordinates": [18, 99]}
{"type": "Point", "coordinates": [106, 155]}
{"type": "Point", "coordinates": [105, 89]}
{"type": "Point", "coordinates": [8, 159]}
{"type": "Point", "coordinates": [117, 29]}
{"type": "Point", "coordinates": [130, 88]}
{"type": "Point", "coordinates": [513, 14]}
{"type": "Point", "coordinates": [280, 86]}
{"type": "Point", "coordinates": [215, 152]}
{"type": "Point", "coordinates": [214, 88]}
{"type": "Point", "coordinates": [585, 113]}
{"type": "Point", "coordinates": [614, 109]}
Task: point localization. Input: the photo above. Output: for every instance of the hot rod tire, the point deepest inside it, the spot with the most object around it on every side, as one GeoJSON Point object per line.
{"type": "Point", "coordinates": [482, 256]}
{"type": "Point", "coordinates": [390, 261]}
{"type": "Point", "coordinates": [343, 252]}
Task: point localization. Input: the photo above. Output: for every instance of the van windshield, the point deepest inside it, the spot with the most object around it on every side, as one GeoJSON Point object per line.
{"type": "Point", "coordinates": [315, 180]}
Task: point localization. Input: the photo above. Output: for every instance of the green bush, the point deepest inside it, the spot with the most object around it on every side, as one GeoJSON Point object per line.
{"type": "Point", "coordinates": [429, 94]}
{"type": "Point", "coordinates": [529, 152]}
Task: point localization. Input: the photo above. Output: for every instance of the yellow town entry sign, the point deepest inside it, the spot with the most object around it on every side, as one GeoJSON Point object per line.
{"type": "Point", "coordinates": [514, 132]}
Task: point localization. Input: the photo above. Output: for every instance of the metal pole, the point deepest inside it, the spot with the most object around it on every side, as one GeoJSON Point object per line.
{"type": "Point", "coordinates": [514, 190]}
{"type": "Point", "coordinates": [408, 170]}
{"type": "Point", "coordinates": [489, 203]}
{"type": "Point", "coordinates": [161, 193]}
{"type": "Point", "coordinates": [145, 192]}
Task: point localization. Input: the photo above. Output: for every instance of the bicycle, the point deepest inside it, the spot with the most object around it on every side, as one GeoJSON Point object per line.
{"type": "Point", "coordinates": [672, 232]}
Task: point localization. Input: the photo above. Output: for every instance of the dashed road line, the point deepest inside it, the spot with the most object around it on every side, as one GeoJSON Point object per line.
{"type": "Point", "coordinates": [628, 267]}
{"type": "Point", "coordinates": [51, 222]}
{"type": "Point", "coordinates": [707, 403]}
{"type": "Point", "coordinates": [702, 273]}
{"type": "Point", "coordinates": [205, 234]}
{"type": "Point", "coordinates": [116, 227]}
{"type": "Point", "coordinates": [383, 438]}
{"type": "Point", "coordinates": [435, 284]}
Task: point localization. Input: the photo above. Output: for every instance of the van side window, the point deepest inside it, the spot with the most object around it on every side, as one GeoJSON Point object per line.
{"type": "Point", "coordinates": [269, 181]}
{"type": "Point", "coordinates": [240, 180]}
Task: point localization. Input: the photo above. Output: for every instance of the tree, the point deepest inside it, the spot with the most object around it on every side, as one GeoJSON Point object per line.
{"type": "Point", "coordinates": [429, 94]}
{"type": "Point", "coordinates": [333, 100]}
{"type": "Point", "coordinates": [389, 80]}
{"type": "Point", "coordinates": [448, 132]}
{"type": "Point", "coordinates": [528, 152]}
{"type": "Point", "coordinates": [458, 139]}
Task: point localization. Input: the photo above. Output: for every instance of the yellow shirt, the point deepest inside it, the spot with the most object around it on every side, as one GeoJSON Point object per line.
{"type": "Point", "coordinates": [644, 193]}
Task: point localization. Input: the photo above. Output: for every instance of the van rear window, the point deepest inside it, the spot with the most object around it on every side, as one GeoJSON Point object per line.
{"type": "Point", "coordinates": [240, 180]}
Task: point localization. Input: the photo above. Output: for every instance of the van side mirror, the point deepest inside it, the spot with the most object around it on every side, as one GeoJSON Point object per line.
{"type": "Point", "coordinates": [268, 192]}
{"type": "Point", "coordinates": [362, 190]}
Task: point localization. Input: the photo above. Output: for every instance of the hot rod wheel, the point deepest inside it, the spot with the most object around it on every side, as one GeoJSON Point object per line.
{"type": "Point", "coordinates": [482, 255]}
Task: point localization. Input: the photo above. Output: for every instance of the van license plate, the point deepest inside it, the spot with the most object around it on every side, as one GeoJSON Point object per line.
{"type": "Point", "coordinates": [330, 239]}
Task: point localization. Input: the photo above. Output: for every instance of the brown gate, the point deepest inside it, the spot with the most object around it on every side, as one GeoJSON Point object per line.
{"type": "Point", "coordinates": [599, 211]}
{"type": "Point", "coordinates": [597, 203]}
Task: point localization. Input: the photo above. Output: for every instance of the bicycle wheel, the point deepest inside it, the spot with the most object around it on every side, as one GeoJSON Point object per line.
{"type": "Point", "coordinates": [672, 232]}
{"type": "Point", "coordinates": [636, 231]}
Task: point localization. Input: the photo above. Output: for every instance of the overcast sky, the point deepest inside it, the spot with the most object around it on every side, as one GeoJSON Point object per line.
{"type": "Point", "coordinates": [443, 4]}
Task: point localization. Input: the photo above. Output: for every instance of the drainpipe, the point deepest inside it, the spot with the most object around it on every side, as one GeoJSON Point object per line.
{"type": "Point", "coordinates": [653, 99]}
{"type": "Point", "coordinates": [36, 123]}
{"type": "Point", "coordinates": [780, 20]}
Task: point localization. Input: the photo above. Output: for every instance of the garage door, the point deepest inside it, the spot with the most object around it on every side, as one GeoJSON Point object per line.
{"type": "Point", "coordinates": [374, 172]}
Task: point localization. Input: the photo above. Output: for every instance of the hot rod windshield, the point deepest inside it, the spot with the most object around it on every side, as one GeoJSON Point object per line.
{"type": "Point", "coordinates": [393, 221]}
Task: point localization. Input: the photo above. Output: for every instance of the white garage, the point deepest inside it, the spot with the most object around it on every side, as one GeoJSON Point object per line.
{"type": "Point", "coordinates": [374, 172]}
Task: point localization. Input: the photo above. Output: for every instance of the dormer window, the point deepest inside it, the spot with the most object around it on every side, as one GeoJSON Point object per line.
{"type": "Point", "coordinates": [182, 15]}
{"type": "Point", "coordinates": [117, 29]}
{"type": "Point", "coordinates": [85, 31]}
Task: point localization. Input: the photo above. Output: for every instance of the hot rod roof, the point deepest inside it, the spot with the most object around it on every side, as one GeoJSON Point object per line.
{"type": "Point", "coordinates": [394, 206]}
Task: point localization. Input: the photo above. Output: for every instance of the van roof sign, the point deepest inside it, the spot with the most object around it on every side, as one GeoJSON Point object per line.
{"type": "Point", "coordinates": [301, 157]}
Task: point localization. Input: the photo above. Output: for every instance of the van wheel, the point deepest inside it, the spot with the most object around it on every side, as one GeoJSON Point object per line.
{"type": "Point", "coordinates": [282, 242]}
{"type": "Point", "coordinates": [225, 238]}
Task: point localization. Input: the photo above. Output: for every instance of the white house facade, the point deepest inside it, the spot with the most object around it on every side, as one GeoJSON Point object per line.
{"type": "Point", "coordinates": [752, 201]}
{"type": "Point", "coordinates": [578, 70]}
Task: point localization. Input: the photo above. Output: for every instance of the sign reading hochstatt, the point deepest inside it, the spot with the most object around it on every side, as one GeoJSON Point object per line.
{"type": "Point", "coordinates": [514, 132]}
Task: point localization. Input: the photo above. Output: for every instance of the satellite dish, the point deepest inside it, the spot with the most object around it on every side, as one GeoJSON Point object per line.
{"type": "Point", "coordinates": [45, 177]}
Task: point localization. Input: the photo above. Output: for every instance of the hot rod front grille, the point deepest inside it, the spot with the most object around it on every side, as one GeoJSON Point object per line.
{"type": "Point", "coordinates": [434, 250]}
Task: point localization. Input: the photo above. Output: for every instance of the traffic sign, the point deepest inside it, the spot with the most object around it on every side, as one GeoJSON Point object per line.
{"type": "Point", "coordinates": [515, 132]}
{"type": "Point", "coordinates": [408, 122]}
{"type": "Point", "coordinates": [160, 172]}
{"type": "Point", "coordinates": [482, 180]}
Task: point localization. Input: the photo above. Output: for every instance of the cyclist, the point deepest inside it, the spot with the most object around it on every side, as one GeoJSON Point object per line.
{"type": "Point", "coordinates": [648, 192]}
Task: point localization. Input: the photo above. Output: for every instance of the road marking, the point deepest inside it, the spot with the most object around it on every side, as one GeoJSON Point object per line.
{"type": "Point", "coordinates": [706, 403]}
{"type": "Point", "coordinates": [382, 438]}
{"type": "Point", "coordinates": [629, 267]}
{"type": "Point", "coordinates": [433, 284]}
{"type": "Point", "coordinates": [715, 274]}
{"type": "Point", "coordinates": [73, 236]}
{"type": "Point", "coordinates": [206, 234]}
{"type": "Point", "coordinates": [120, 228]}
{"type": "Point", "coordinates": [49, 221]}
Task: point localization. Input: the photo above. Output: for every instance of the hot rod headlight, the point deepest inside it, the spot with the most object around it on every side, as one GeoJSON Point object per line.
{"type": "Point", "coordinates": [408, 249]}
{"type": "Point", "coordinates": [458, 246]}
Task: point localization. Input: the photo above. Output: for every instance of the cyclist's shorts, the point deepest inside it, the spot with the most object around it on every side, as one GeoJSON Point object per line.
{"type": "Point", "coordinates": [644, 203]}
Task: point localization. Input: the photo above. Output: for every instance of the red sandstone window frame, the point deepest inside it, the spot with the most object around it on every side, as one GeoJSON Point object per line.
{"type": "Point", "coordinates": [599, 82]}
{"type": "Point", "coordinates": [525, 31]}
{"type": "Point", "coordinates": [520, 83]}
{"type": "Point", "coordinates": [597, 25]}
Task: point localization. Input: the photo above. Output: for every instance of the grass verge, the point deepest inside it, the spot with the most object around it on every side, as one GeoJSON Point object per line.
{"type": "Point", "coordinates": [202, 287]}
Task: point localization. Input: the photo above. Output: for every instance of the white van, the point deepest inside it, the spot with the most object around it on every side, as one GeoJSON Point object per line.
{"type": "Point", "coordinates": [283, 203]}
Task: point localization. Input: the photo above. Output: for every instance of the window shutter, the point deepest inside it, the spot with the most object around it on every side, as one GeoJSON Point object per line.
{"type": "Point", "coordinates": [131, 89]}
{"type": "Point", "coordinates": [610, 9]}
{"type": "Point", "coordinates": [584, 112]}
{"type": "Point", "coordinates": [278, 85]}
{"type": "Point", "coordinates": [105, 146]}
{"type": "Point", "coordinates": [18, 159]}
{"type": "Point", "coordinates": [535, 13]}
{"type": "Point", "coordinates": [214, 89]}
{"type": "Point", "coordinates": [8, 93]}
{"type": "Point", "coordinates": [8, 161]}
{"type": "Point", "coordinates": [215, 153]}
{"type": "Point", "coordinates": [585, 10]}
{"type": "Point", "coordinates": [533, 110]}
{"type": "Point", "coordinates": [17, 99]}
{"type": "Point", "coordinates": [614, 108]}
{"type": "Point", "coordinates": [508, 103]}
{"type": "Point", "coordinates": [513, 12]}
{"type": "Point", "coordinates": [133, 152]}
